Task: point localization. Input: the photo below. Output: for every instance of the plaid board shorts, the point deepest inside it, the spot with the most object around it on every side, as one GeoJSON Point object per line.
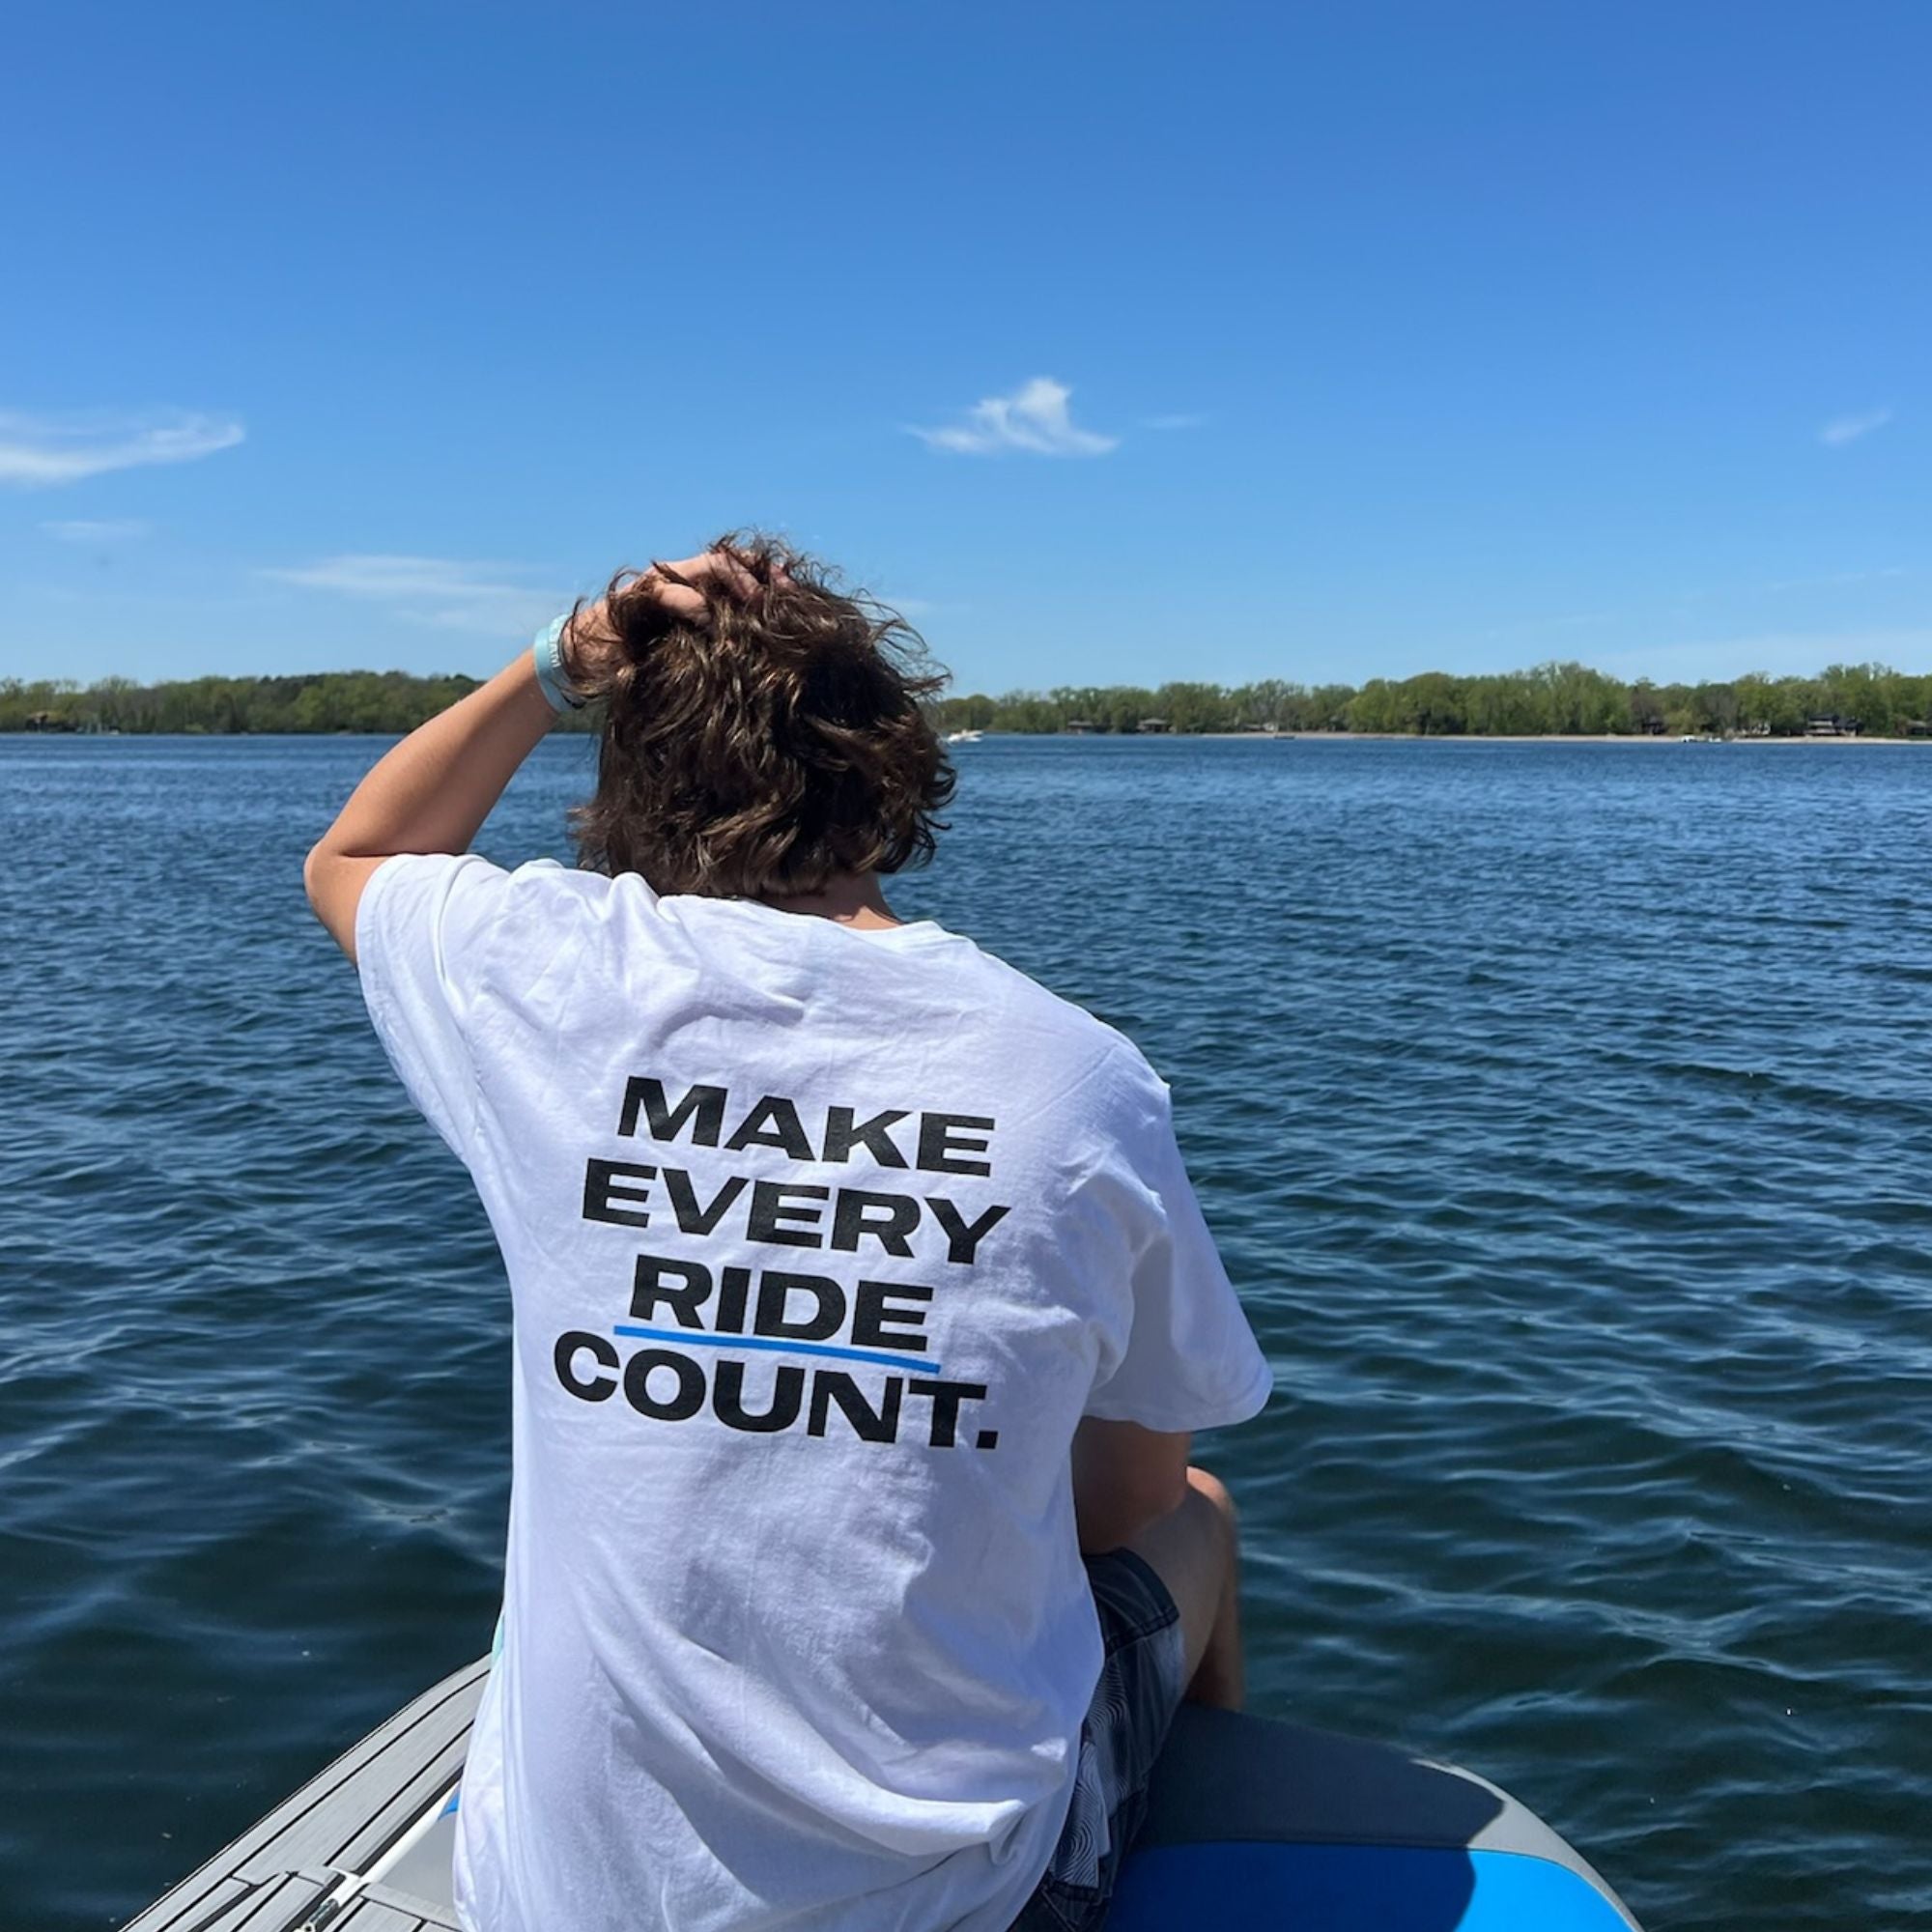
{"type": "Point", "coordinates": [1140, 1690]}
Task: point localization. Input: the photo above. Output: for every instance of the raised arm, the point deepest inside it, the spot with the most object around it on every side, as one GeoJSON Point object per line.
{"type": "Point", "coordinates": [432, 792]}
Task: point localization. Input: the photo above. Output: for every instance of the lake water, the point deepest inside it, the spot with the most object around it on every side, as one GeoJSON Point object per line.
{"type": "Point", "coordinates": [1563, 1112]}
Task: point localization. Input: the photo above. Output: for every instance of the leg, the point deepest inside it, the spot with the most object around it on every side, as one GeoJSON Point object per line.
{"type": "Point", "coordinates": [1191, 1553]}
{"type": "Point", "coordinates": [1194, 1551]}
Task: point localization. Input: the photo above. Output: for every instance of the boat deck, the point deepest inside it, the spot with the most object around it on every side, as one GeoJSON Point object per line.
{"type": "Point", "coordinates": [339, 1824]}
{"type": "Point", "coordinates": [1253, 1815]}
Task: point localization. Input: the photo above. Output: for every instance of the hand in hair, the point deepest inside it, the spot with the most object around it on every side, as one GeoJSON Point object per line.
{"type": "Point", "coordinates": [683, 590]}
{"type": "Point", "coordinates": [680, 587]}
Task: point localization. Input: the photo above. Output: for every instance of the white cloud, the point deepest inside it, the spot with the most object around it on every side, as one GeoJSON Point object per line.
{"type": "Point", "coordinates": [442, 593]}
{"type": "Point", "coordinates": [1034, 418]}
{"type": "Point", "coordinates": [1841, 430]}
{"type": "Point", "coordinates": [388, 576]}
{"type": "Point", "coordinates": [44, 451]}
{"type": "Point", "coordinates": [99, 529]}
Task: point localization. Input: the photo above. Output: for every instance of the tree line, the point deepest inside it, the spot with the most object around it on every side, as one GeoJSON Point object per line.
{"type": "Point", "coordinates": [325, 701]}
{"type": "Point", "coordinates": [1565, 699]}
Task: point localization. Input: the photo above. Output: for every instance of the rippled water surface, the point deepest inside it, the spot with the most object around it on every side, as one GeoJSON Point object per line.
{"type": "Point", "coordinates": [1564, 1114]}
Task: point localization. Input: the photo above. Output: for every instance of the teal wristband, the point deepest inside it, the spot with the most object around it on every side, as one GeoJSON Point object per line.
{"type": "Point", "coordinates": [546, 653]}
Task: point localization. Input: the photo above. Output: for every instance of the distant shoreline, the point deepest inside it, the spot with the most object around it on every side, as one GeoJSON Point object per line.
{"type": "Point", "coordinates": [1476, 738]}
{"type": "Point", "coordinates": [1558, 699]}
{"type": "Point", "coordinates": [203, 736]}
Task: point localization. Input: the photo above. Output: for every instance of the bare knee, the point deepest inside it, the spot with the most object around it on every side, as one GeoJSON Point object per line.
{"type": "Point", "coordinates": [1205, 1489]}
{"type": "Point", "coordinates": [1211, 1621]}
{"type": "Point", "coordinates": [1205, 1483]}
{"type": "Point", "coordinates": [1192, 1550]}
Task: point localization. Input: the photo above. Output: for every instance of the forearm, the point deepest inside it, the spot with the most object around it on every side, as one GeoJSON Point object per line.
{"type": "Point", "coordinates": [1124, 1478]}
{"type": "Point", "coordinates": [432, 792]}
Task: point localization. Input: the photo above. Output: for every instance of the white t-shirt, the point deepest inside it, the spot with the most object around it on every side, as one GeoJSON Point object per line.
{"type": "Point", "coordinates": [820, 1242]}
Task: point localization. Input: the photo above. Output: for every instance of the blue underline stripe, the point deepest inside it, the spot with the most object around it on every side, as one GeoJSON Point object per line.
{"type": "Point", "coordinates": [703, 1341]}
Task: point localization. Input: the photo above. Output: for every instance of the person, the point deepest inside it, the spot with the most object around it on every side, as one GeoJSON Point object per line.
{"type": "Point", "coordinates": [862, 1310]}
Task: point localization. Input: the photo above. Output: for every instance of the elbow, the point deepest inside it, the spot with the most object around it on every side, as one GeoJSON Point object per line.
{"type": "Point", "coordinates": [315, 870]}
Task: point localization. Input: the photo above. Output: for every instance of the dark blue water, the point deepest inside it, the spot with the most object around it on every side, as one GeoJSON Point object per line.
{"type": "Point", "coordinates": [1564, 1113]}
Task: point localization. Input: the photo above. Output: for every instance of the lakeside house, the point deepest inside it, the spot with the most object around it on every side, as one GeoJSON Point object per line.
{"type": "Point", "coordinates": [1154, 725]}
{"type": "Point", "coordinates": [1080, 728]}
{"type": "Point", "coordinates": [1832, 726]}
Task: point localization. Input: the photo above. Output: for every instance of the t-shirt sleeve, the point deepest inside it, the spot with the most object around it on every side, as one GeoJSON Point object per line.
{"type": "Point", "coordinates": [1191, 1360]}
{"type": "Point", "coordinates": [421, 930]}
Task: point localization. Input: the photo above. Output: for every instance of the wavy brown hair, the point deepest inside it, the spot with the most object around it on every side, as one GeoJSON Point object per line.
{"type": "Point", "coordinates": [763, 750]}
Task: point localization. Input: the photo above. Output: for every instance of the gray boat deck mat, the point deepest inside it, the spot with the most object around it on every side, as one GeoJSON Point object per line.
{"type": "Point", "coordinates": [341, 1820]}
{"type": "Point", "coordinates": [286, 1905]}
{"type": "Point", "coordinates": [272, 1905]}
{"type": "Point", "coordinates": [379, 1908]}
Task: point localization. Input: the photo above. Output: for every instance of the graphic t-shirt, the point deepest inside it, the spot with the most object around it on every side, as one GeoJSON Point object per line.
{"type": "Point", "coordinates": [820, 1242]}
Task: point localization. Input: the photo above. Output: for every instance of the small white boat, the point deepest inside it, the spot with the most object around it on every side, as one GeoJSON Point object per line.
{"type": "Point", "coordinates": [1253, 1825]}
{"type": "Point", "coordinates": [964, 737]}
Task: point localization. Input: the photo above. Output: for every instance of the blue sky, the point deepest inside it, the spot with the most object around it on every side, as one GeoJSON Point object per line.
{"type": "Point", "coordinates": [1120, 343]}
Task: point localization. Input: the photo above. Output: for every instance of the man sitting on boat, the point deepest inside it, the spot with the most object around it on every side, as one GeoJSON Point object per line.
{"type": "Point", "coordinates": [863, 1308]}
